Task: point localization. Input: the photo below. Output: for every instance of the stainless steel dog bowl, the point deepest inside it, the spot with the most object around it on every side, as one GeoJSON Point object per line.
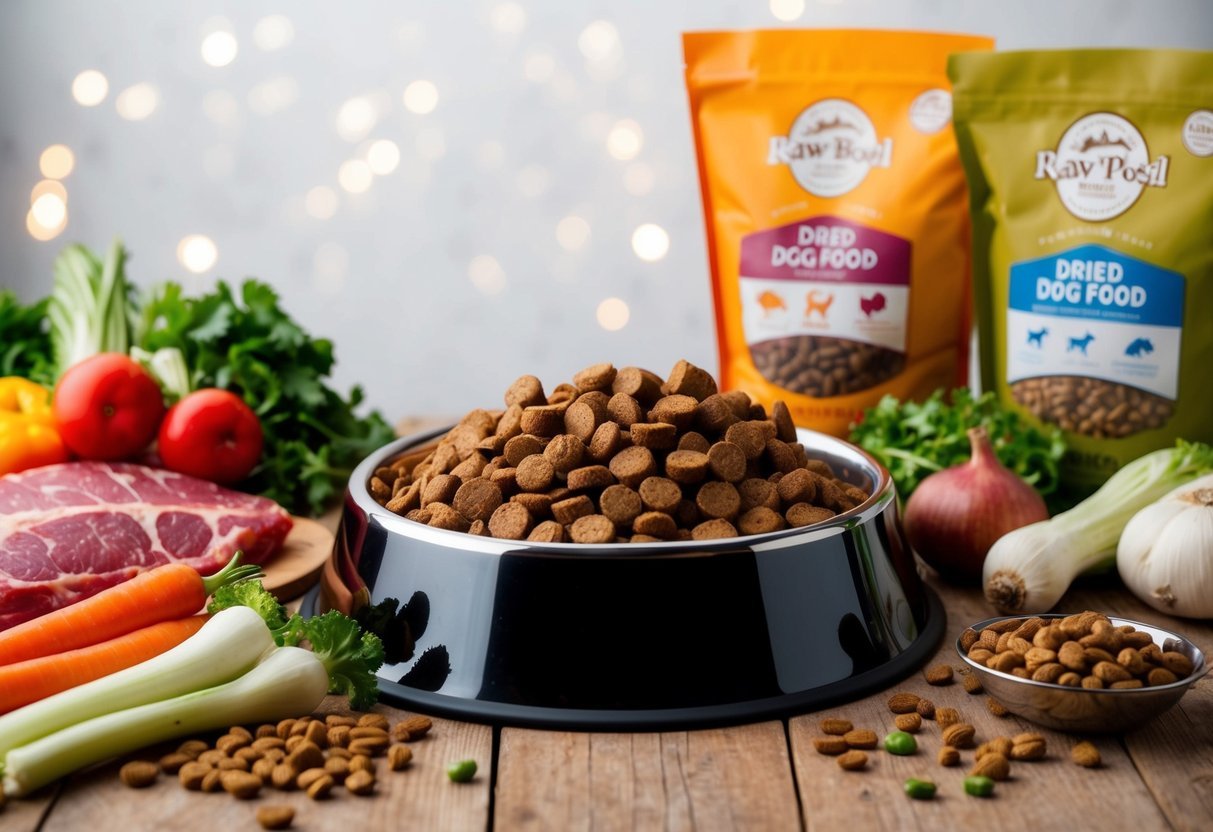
{"type": "Point", "coordinates": [1082, 709]}
{"type": "Point", "coordinates": [639, 636]}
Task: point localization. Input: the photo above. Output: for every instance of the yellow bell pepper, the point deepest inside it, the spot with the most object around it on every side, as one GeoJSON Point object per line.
{"type": "Point", "coordinates": [28, 437]}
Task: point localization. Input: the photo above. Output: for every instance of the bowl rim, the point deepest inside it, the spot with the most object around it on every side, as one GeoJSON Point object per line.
{"type": "Point", "coordinates": [1201, 664]}
{"type": "Point", "coordinates": [882, 493]}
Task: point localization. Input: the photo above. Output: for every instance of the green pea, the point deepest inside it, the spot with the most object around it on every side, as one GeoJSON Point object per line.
{"type": "Point", "coordinates": [901, 743]}
{"type": "Point", "coordinates": [462, 771]}
{"type": "Point", "coordinates": [979, 786]}
{"type": "Point", "coordinates": [920, 789]}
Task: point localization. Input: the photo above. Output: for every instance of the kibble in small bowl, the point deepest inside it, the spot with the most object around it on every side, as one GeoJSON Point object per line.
{"type": "Point", "coordinates": [1084, 672]}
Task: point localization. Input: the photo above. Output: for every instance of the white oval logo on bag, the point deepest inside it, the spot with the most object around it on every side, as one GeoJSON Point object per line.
{"type": "Point", "coordinates": [931, 111]}
{"type": "Point", "coordinates": [831, 147]}
{"type": "Point", "coordinates": [1101, 166]}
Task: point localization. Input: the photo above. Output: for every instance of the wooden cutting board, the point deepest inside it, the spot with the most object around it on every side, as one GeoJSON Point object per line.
{"type": "Point", "coordinates": [297, 567]}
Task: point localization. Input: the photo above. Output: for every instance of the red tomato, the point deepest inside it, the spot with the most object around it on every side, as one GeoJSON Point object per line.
{"type": "Point", "coordinates": [107, 407]}
{"type": "Point", "coordinates": [211, 434]}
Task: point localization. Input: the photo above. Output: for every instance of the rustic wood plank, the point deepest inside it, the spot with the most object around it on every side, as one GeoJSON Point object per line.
{"type": "Point", "coordinates": [421, 797]}
{"type": "Point", "coordinates": [1174, 753]}
{"type": "Point", "coordinates": [731, 778]}
{"type": "Point", "coordinates": [25, 815]}
{"type": "Point", "coordinates": [1050, 794]}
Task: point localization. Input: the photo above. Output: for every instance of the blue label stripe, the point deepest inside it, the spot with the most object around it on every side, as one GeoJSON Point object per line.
{"type": "Point", "coordinates": [1128, 290]}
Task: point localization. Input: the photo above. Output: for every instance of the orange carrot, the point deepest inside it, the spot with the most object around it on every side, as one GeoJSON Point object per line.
{"type": "Point", "coordinates": [34, 679]}
{"type": "Point", "coordinates": [161, 594]}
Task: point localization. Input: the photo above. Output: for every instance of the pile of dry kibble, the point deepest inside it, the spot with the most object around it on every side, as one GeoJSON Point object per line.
{"type": "Point", "coordinates": [616, 457]}
{"type": "Point", "coordinates": [991, 759]}
{"type": "Point", "coordinates": [1081, 650]}
{"type": "Point", "coordinates": [312, 754]}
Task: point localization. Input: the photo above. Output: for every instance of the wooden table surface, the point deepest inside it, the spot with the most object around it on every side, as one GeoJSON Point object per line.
{"type": "Point", "coordinates": [751, 777]}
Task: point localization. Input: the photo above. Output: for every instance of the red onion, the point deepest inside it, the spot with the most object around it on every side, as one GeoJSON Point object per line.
{"type": "Point", "coordinates": [955, 515]}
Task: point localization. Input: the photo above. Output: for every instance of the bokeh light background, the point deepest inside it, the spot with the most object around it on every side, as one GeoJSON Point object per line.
{"type": "Point", "coordinates": [455, 192]}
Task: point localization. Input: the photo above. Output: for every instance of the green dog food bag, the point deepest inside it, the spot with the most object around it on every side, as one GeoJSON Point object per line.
{"type": "Point", "coordinates": [1091, 187]}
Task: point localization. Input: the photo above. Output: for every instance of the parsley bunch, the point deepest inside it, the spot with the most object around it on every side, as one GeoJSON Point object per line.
{"type": "Point", "coordinates": [245, 342]}
{"type": "Point", "coordinates": [914, 440]}
{"type": "Point", "coordinates": [25, 341]}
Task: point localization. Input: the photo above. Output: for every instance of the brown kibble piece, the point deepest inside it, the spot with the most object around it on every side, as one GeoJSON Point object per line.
{"type": "Point", "coordinates": [399, 756]}
{"type": "Point", "coordinates": [264, 768]}
{"type": "Point", "coordinates": [830, 745]}
{"type": "Point", "coordinates": [728, 462]}
{"type": "Point", "coordinates": [361, 762]}
{"type": "Point", "coordinates": [621, 504]}
{"type": "Point", "coordinates": [688, 380]}
{"type": "Point", "coordinates": [305, 755]}
{"type": "Point", "coordinates": [718, 500]}
{"type": "Point", "coordinates": [361, 783]}
{"type": "Point", "coordinates": [660, 494]}
{"type": "Point", "coordinates": [799, 486]}
{"type": "Point", "coordinates": [676, 410]}
{"type": "Point", "coordinates": [686, 467]}
{"type": "Point", "coordinates": [441, 489]}
{"type": "Point", "coordinates": [1086, 755]}
{"type": "Point", "coordinates": [283, 777]}
{"type": "Point", "coordinates": [968, 638]}
{"type": "Point", "coordinates": [785, 428]}
{"type": "Point", "coordinates": [926, 709]}
{"type": "Point", "coordinates": [590, 476]}
{"type": "Point", "coordinates": [549, 531]}
{"type": "Point", "coordinates": [230, 743]}
{"type": "Point", "coordinates": [992, 765]}
{"type": "Point", "coordinates": [657, 436]}
{"type": "Point", "coordinates": [477, 499]}
{"type": "Point", "coordinates": [642, 385]}
{"type": "Point", "coordinates": [567, 511]}
{"type": "Point", "coordinates": [510, 521]}
{"type": "Point", "coordinates": [624, 410]}
{"type": "Point", "coordinates": [212, 781]}
{"type": "Point", "coordinates": [971, 683]}
{"type": "Point", "coordinates": [692, 441]}
{"type": "Point", "coordinates": [939, 674]}
{"type": "Point", "coordinates": [443, 516]}
{"type": "Point", "coordinates": [192, 748]}
{"type": "Point", "coordinates": [853, 760]}
{"type": "Point", "coordinates": [412, 728]}
{"type": "Point", "coordinates": [946, 716]}
{"type": "Point", "coordinates": [714, 414]}
{"type": "Point", "coordinates": [545, 420]}
{"type": "Point", "coordinates": [749, 437]}
{"type": "Point", "coordinates": [320, 788]}
{"type": "Point", "coordinates": [520, 447]}
{"type": "Point", "coordinates": [757, 492]}
{"type": "Point", "coordinates": [1160, 676]}
{"type": "Point", "coordinates": [959, 735]}
{"type": "Point", "coordinates": [910, 723]}
{"type": "Point", "coordinates": [1028, 746]}
{"type": "Point", "coordinates": [860, 738]}
{"type": "Point", "coordinates": [760, 520]}
{"type": "Point", "coordinates": [605, 443]}
{"type": "Point", "coordinates": [564, 452]}
{"type": "Point", "coordinates": [836, 726]}
{"type": "Point", "coordinates": [241, 785]}
{"type": "Point", "coordinates": [903, 702]}
{"type": "Point", "coordinates": [535, 473]}
{"type": "Point", "coordinates": [595, 377]}
{"type": "Point", "coordinates": [656, 524]}
{"type": "Point", "coordinates": [190, 774]}
{"type": "Point", "coordinates": [172, 763]}
{"type": "Point", "coordinates": [949, 756]}
{"type": "Point", "coordinates": [631, 466]}
{"type": "Point", "coordinates": [526, 391]}
{"type": "Point", "coordinates": [713, 530]}
{"type": "Point", "coordinates": [803, 514]}
{"type": "Point", "coordinates": [275, 816]}
{"type": "Point", "coordinates": [233, 764]}
{"type": "Point", "coordinates": [593, 528]}
{"type": "Point", "coordinates": [138, 774]}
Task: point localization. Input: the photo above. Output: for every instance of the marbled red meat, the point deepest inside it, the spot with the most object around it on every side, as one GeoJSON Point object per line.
{"type": "Point", "coordinates": [69, 531]}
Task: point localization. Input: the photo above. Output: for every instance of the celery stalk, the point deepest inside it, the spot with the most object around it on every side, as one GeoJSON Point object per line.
{"type": "Point", "coordinates": [1029, 569]}
{"type": "Point", "coordinates": [289, 682]}
{"type": "Point", "coordinates": [226, 647]}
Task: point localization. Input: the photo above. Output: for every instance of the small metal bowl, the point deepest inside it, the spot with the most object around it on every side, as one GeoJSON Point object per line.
{"type": "Point", "coordinates": [1082, 709]}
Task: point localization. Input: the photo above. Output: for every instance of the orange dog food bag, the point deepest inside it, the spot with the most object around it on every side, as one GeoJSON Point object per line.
{"type": "Point", "coordinates": [836, 211]}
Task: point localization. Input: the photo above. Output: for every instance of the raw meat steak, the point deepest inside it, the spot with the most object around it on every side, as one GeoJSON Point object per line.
{"type": "Point", "coordinates": [69, 531]}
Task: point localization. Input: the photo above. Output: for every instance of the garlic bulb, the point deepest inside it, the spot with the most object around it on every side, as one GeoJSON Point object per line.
{"type": "Point", "coordinates": [1165, 555]}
